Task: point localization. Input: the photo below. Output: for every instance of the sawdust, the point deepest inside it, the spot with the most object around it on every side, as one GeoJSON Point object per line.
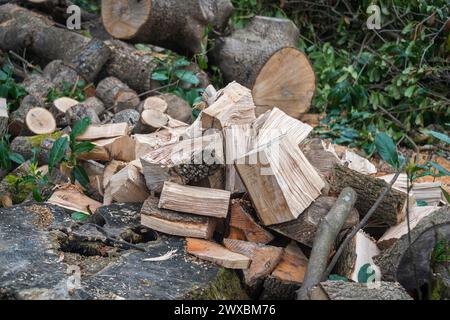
{"type": "Point", "coordinates": [44, 217]}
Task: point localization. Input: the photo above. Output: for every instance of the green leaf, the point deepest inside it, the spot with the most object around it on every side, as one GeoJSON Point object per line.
{"type": "Point", "coordinates": [5, 161]}
{"type": "Point", "coordinates": [58, 152]}
{"type": "Point", "coordinates": [446, 195]}
{"type": "Point", "coordinates": [387, 149]}
{"type": "Point", "coordinates": [37, 195]}
{"type": "Point", "coordinates": [187, 76]}
{"type": "Point", "coordinates": [17, 158]}
{"type": "Point", "coordinates": [79, 128]}
{"type": "Point", "coordinates": [364, 275]}
{"type": "Point", "coordinates": [410, 91]}
{"type": "Point", "coordinates": [336, 277]}
{"type": "Point", "coordinates": [182, 62]}
{"type": "Point", "coordinates": [160, 76]}
{"type": "Point", "coordinates": [437, 135]}
{"type": "Point", "coordinates": [79, 216]}
{"type": "Point", "coordinates": [421, 203]}
{"type": "Point", "coordinates": [81, 176]}
{"type": "Point", "coordinates": [83, 147]}
{"type": "Point", "coordinates": [439, 168]}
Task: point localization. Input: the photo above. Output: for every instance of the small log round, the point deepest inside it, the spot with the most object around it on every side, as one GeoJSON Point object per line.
{"type": "Point", "coordinates": [154, 119]}
{"type": "Point", "coordinates": [117, 95]}
{"type": "Point", "coordinates": [40, 121]}
{"type": "Point", "coordinates": [155, 103]}
{"type": "Point", "coordinates": [59, 108]}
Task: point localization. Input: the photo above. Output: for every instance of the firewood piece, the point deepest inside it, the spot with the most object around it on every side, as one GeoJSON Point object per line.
{"type": "Point", "coordinates": [325, 237]}
{"type": "Point", "coordinates": [17, 124]}
{"type": "Point", "coordinates": [146, 143]}
{"type": "Point", "coordinates": [117, 95]}
{"type": "Point", "coordinates": [131, 117]}
{"type": "Point", "coordinates": [4, 117]}
{"type": "Point", "coordinates": [40, 121]}
{"type": "Point", "coordinates": [287, 277]}
{"type": "Point", "coordinates": [340, 290]}
{"type": "Point", "coordinates": [155, 103]}
{"type": "Point", "coordinates": [38, 86]}
{"type": "Point", "coordinates": [166, 23]}
{"type": "Point", "coordinates": [95, 172]}
{"type": "Point", "coordinates": [392, 209]}
{"type": "Point", "coordinates": [60, 74]}
{"type": "Point", "coordinates": [41, 37]}
{"type": "Point", "coordinates": [304, 228]}
{"type": "Point", "coordinates": [128, 185]}
{"type": "Point", "coordinates": [358, 163]}
{"type": "Point", "coordinates": [176, 223]}
{"type": "Point", "coordinates": [279, 123]}
{"type": "Point", "coordinates": [111, 169]}
{"type": "Point", "coordinates": [81, 111]}
{"type": "Point", "coordinates": [72, 198]}
{"type": "Point", "coordinates": [213, 252]}
{"type": "Point", "coordinates": [321, 158]}
{"type": "Point", "coordinates": [236, 234]}
{"type": "Point", "coordinates": [59, 108]}
{"type": "Point", "coordinates": [118, 148]}
{"type": "Point", "coordinates": [234, 106]}
{"type": "Point", "coordinates": [177, 108]}
{"type": "Point", "coordinates": [96, 131]}
{"type": "Point", "coordinates": [264, 258]}
{"type": "Point", "coordinates": [396, 232]}
{"type": "Point", "coordinates": [242, 220]}
{"type": "Point", "coordinates": [129, 66]}
{"type": "Point", "coordinates": [153, 120]}
{"type": "Point", "coordinates": [278, 83]}
{"type": "Point", "coordinates": [188, 160]}
{"type": "Point", "coordinates": [356, 262]}
{"type": "Point", "coordinates": [24, 146]}
{"type": "Point", "coordinates": [196, 200]}
{"type": "Point", "coordinates": [280, 180]}
{"type": "Point", "coordinates": [396, 263]}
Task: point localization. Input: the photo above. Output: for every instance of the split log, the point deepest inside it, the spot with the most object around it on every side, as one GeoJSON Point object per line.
{"type": "Point", "coordinates": [118, 148]}
{"type": "Point", "coordinates": [59, 108]}
{"type": "Point", "coordinates": [117, 95]}
{"type": "Point", "coordinates": [176, 223]}
{"type": "Point", "coordinates": [287, 277]}
{"type": "Point", "coordinates": [95, 172]}
{"type": "Point", "coordinates": [110, 170]}
{"type": "Point", "coordinates": [240, 219]}
{"type": "Point", "coordinates": [40, 121]}
{"type": "Point", "coordinates": [264, 258]}
{"type": "Point", "coordinates": [304, 228]}
{"type": "Point", "coordinates": [397, 263]}
{"type": "Point", "coordinates": [186, 161]}
{"type": "Point", "coordinates": [145, 143]}
{"type": "Point", "coordinates": [4, 117]}
{"type": "Point", "coordinates": [213, 252]}
{"type": "Point", "coordinates": [104, 131]}
{"type": "Point", "coordinates": [234, 106]}
{"type": "Point", "coordinates": [392, 209]}
{"type": "Point", "coordinates": [165, 23]}
{"type": "Point", "coordinates": [17, 124]}
{"type": "Point", "coordinates": [358, 163]}
{"type": "Point", "coordinates": [22, 28]}
{"type": "Point", "coordinates": [129, 116]}
{"type": "Point", "coordinates": [196, 200]}
{"type": "Point", "coordinates": [340, 290]}
{"type": "Point", "coordinates": [356, 262]}
{"type": "Point", "coordinates": [128, 185]}
{"type": "Point", "coordinates": [83, 110]}
{"type": "Point", "coordinates": [326, 235]}
{"type": "Point", "coordinates": [153, 120]}
{"type": "Point", "coordinates": [177, 108]}
{"type": "Point", "coordinates": [72, 198]}
{"type": "Point", "coordinates": [280, 181]}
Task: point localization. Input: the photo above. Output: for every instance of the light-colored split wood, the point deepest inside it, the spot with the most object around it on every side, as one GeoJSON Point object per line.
{"type": "Point", "coordinates": [4, 116]}
{"type": "Point", "coordinates": [72, 198]}
{"type": "Point", "coordinates": [154, 119]}
{"type": "Point", "coordinates": [40, 121]}
{"type": "Point", "coordinates": [155, 103]}
{"type": "Point", "coordinates": [104, 131]}
{"type": "Point", "coordinates": [128, 185]}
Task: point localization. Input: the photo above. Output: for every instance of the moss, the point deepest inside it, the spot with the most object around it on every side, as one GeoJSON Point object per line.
{"type": "Point", "coordinates": [226, 286]}
{"type": "Point", "coordinates": [36, 141]}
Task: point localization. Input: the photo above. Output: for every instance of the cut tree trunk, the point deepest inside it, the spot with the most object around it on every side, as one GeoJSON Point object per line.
{"type": "Point", "coordinates": [213, 252]}
{"type": "Point", "coordinates": [40, 121]}
{"type": "Point", "coordinates": [392, 209]}
{"type": "Point", "coordinates": [117, 95]}
{"type": "Point", "coordinates": [264, 258]}
{"type": "Point", "coordinates": [171, 24]}
{"type": "Point", "coordinates": [155, 103]}
{"type": "Point", "coordinates": [4, 117]}
{"type": "Point", "coordinates": [304, 228]}
{"type": "Point", "coordinates": [177, 108]}
{"type": "Point", "coordinates": [152, 120]}
{"type": "Point", "coordinates": [196, 200]}
{"type": "Point", "coordinates": [176, 223]}
{"type": "Point", "coordinates": [61, 75]}
{"type": "Point", "coordinates": [59, 108]}
{"type": "Point", "coordinates": [22, 28]}
{"type": "Point", "coordinates": [280, 181]}
{"type": "Point", "coordinates": [326, 235]}
{"type": "Point", "coordinates": [17, 124]}
{"type": "Point", "coordinates": [129, 116]}
{"type": "Point", "coordinates": [128, 185]}
{"type": "Point", "coordinates": [81, 111]}
{"type": "Point", "coordinates": [242, 220]}
{"type": "Point", "coordinates": [37, 85]}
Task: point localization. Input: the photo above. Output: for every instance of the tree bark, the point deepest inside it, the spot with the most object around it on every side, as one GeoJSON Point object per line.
{"type": "Point", "coordinates": [117, 95]}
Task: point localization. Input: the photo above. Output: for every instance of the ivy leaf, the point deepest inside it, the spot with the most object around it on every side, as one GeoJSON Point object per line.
{"type": "Point", "coordinates": [83, 147]}
{"type": "Point", "coordinates": [437, 135]}
{"type": "Point", "coordinates": [17, 158]}
{"type": "Point", "coordinates": [387, 149]}
{"type": "Point", "coordinates": [79, 128]}
{"type": "Point", "coordinates": [160, 76]}
{"type": "Point", "coordinates": [421, 203]}
{"type": "Point", "coordinates": [81, 176]}
{"type": "Point", "coordinates": [79, 216]}
{"type": "Point", "coordinates": [182, 62]}
{"type": "Point", "coordinates": [5, 161]}
{"type": "Point", "coordinates": [439, 168]}
{"type": "Point", "coordinates": [336, 277]}
{"type": "Point", "coordinates": [37, 195]}
{"type": "Point", "coordinates": [58, 152]}
{"type": "Point", "coordinates": [187, 76]}
{"type": "Point", "coordinates": [446, 195]}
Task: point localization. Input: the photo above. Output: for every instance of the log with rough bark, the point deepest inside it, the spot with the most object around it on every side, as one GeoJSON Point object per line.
{"type": "Point", "coordinates": [325, 237]}
{"type": "Point", "coordinates": [40, 121]}
{"type": "Point", "coordinates": [83, 110]}
{"type": "Point", "coordinates": [72, 197]}
{"type": "Point", "coordinates": [104, 131]}
{"type": "Point", "coordinates": [17, 125]}
{"type": "Point", "coordinates": [322, 158]}
{"type": "Point", "coordinates": [152, 120]}
{"type": "Point", "coordinates": [241, 219]}
{"type": "Point", "coordinates": [59, 108]}
{"type": "Point", "coordinates": [117, 95]}
{"type": "Point", "coordinates": [356, 262]}
{"type": "Point", "coordinates": [287, 277]}
{"type": "Point", "coordinates": [280, 181]}
{"type": "Point", "coordinates": [392, 209]}
{"type": "Point", "coordinates": [340, 290]}
{"type": "Point", "coordinates": [176, 223]}
{"type": "Point", "coordinates": [95, 172]}
{"type": "Point", "coordinates": [24, 146]}
{"type": "Point", "coordinates": [22, 28]}
{"type": "Point", "coordinates": [154, 103]}
{"type": "Point", "coordinates": [304, 228]}
{"type": "Point", "coordinates": [171, 24]}
{"type": "Point", "coordinates": [264, 258]}
{"type": "Point", "coordinates": [234, 106]}
{"type": "Point", "coordinates": [188, 160]}
{"type": "Point", "coordinates": [402, 262]}
{"type": "Point", "coordinates": [37, 85]}
{"type": "Point", "coordinates": [57, 9]}
{"type": "Point", "coordinates": [4, 117]}
{"type": "Point", "coordinates": [196, 200]}
{"type": "Point", "coordinates": [61, 75]}
{"type": "Point", "coordinates": [213, 252]}
{"type": "Point", "coordinates": [128, 185]}
{"type": "Point", "coordinates": [130, 116]}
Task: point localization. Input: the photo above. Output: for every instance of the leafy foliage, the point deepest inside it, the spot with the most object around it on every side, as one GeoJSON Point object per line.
{"type": "Point", "coordinates": [7, 157]}
{"type": "Point", "coordinates": [387, 149]}
{"type": "Point", "coordinates": [441, 252]}
{"type": "Point", "coordinates": [9, 89]}
{"type": "Point", "coordinates": [92, 6]}
{"type": "Point", "coordinates": [72, 90]}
